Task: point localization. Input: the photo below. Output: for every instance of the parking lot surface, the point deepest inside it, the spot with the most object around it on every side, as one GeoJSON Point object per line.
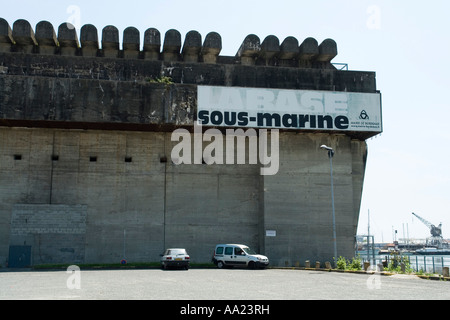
{"type": "Point", "coordinates": [214, 284]}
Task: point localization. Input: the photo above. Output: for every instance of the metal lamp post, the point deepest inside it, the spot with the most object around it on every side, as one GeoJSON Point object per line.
{"type": "Point", "coordinates": [330, 155]}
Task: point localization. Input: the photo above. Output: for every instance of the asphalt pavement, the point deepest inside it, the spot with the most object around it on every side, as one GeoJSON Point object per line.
{"type": "Point", "coordinates": [215, 284]}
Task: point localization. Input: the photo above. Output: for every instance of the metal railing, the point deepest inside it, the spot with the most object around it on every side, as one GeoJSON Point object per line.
{"type": "Point", "coordinates": [418, 263]}
{"type": "Point", "coordinates": [340, 66]}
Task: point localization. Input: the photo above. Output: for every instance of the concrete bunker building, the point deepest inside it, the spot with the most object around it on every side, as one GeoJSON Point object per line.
{"type": "Point", "coordinates": [86, 172]}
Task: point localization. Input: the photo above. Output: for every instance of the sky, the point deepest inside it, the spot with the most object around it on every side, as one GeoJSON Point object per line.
{"type": "Point", "coordinates": [407, 45]}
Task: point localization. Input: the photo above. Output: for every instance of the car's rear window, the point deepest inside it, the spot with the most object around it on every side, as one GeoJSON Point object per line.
{"type": "Point", "coordinates": [177, 251]}
{"type": "Point", "coordinates": [219, 250]}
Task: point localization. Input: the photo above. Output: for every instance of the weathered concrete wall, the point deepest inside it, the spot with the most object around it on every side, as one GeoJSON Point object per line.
{"type": "Point", "coordinates": [86, 123]}
{"type": "Point", "coordinates": [297, 200]}
{"type": "Point", "coordinates": [56, 233]}
{"type": "Point", "coordinates": [146, 205]}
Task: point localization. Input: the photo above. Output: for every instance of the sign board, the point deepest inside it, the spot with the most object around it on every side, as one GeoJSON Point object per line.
{"type": "Point", "coordinates": [289, 109]}
{"type": "Point", "coordinates": [271, 233]}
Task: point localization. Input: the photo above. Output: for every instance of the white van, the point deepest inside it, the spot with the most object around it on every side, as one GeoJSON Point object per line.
{"type": "Point", "coordinates": [238, 255]}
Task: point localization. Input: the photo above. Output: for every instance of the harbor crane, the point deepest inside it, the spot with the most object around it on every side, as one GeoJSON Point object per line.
{"type": "Point", "coordinates": [436, 232]}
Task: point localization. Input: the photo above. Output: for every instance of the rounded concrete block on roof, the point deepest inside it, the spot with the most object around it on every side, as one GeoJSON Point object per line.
{"type": "Point", "coordinates": [172, 41]}
{"type": "Point", "coordinates": [192, 42]}
{"type": "Point", "coordinates": [6, 38]}
{"type": "Point", "coordinates": [172, 45]}
{"type": "Point", "coordinates": [110, 42]}
{"type": "Point", "coordinates": [288, 48]}
{"type": "Point", "coordinates": [23, 33]}
{"type": "Point", "coordinates": [152, 43]}
{"type": "Point", "coordinates": [249, 50]}
{"type": "Point", "coordinates": [327, 50]}
{"type": "Point", "coordinates": [46, 38]}
{"type": "Point", "coordinates": [110, 38]}
{"type": "Point", "coordinates": [212, 43]}
{"type": "Point", "coordinates": [89, 40]}
{"type": "Point", "coordinates": [152, 37]}
{"type": "Point", "coordinates": [152, 40]}
{"type": "Point", "coordinates": [211, 47]}
{"type": "Point", "coordinates": [89, 35]}
{"type": "Point", "coordinates": [131, 39]}
{"type": "Point", "coordinates": [131, 43]}
{"type": "Point", "coordinates": [45, 34]}
{"type": "Point", "coordinates": [67, 35]}
{"type": "Point", "coordinates": [5, 32]}
{"type": "Point", "coordinates": [270, 45]}
{"type": "Point", "coordinates": [192, 46]}
{"type": "Point", "coordinates": [250, 46]}
{"type": "Point", "coordinates": [309, 49]}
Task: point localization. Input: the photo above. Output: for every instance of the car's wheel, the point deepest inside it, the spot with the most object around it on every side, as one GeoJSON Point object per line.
{"type": "Point", "coordinates": [251, 265]}
{"type": "Point", "coordinates": [220, 264]}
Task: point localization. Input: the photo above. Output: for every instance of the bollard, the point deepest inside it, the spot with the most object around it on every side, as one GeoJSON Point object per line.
{"type": "Point", "coordinates": [328, 265]}
{"type": "Point", "coordinates": [307, 264]}
{"type": "Point", "coordinates": [402, 267]}
{"type": "Point", "coordinates": [445, 272]}
{"type": "Point", "coordinates": [366, 265]}
{"type": "Point", "coordinates": [317, 264]}
{"type": "Point", "coordinates": [380, 267]}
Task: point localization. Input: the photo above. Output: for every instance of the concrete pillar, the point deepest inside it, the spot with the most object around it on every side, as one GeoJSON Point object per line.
{"type": "Point", "coordinates": [307, 264]}
{"type": "Point", "coordinates": [172, 45]}
{"type": "Point", "coordinates": [328, 265]}
{"type": "Point", "coordinates": [366, 265]}
{"type": "Point", "coordinates": [380, 267]}
{"type": "Point", "coordinates": [24, 36]}
{"type": "Point", "coordinates": [402, 267]}
{"type": "Point", "coordinates": [211, 47]}
{"type": "Point", "coordinates": [6, 38]}
{"type": "Point", "coordinates": [192, 46]}
{"type": "Point", "coordinates": [152, 44]}
{"type": "Point", "coordinates": [249, 50]}
{"type": "Point", "coordinates": [89, 41]}
{"type": "Point", "coordinates": [46, 38]}
{"type": "Point", "coordinates": [445, 272]}
{"type": "Point", "coordinates": [131, 43]}
{"type": "Point", "coordinates": [110, 42]}
{"type": "Point", "coordinates": [317, 264]}
{"type": "Point", "coordinates": [68, 40]}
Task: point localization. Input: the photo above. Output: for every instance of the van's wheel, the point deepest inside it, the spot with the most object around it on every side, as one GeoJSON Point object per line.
{"type": "Point", "coordinates": [251, 265]}
{"type": "Point", "coordinates": [220, 264]}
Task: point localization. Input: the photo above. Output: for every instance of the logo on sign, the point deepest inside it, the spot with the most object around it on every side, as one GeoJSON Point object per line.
{"type": "Point", "coordinates": [363, 115]}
